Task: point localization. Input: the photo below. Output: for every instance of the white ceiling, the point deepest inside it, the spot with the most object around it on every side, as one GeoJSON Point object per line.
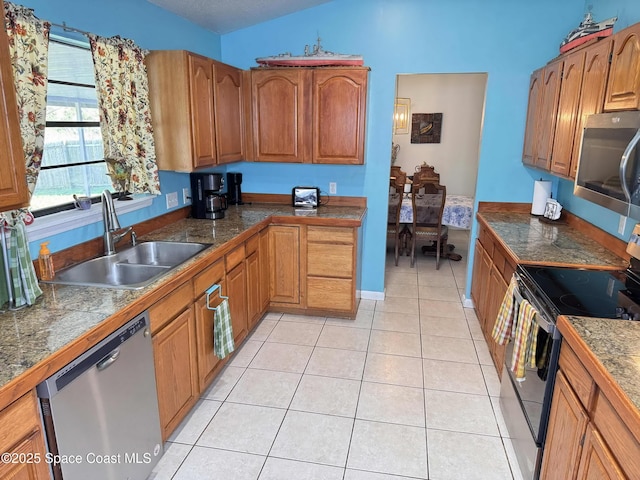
{"type": "Point", "coordinates": [224, 16]}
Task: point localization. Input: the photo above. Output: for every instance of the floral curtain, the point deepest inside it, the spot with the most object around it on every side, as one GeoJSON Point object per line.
{"type": "Point", "coordinates": [125, 118]}
{"type": "Point", "coordinates": [28, 48]}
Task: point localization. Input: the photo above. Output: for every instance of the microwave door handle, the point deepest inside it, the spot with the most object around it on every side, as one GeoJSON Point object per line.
{"type": "Point", "coordinates": [623, 165]}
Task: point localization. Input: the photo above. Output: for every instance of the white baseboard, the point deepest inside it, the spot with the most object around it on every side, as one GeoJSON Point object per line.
{"type": "Point", "coordinates": [369, 295]}
{"type": "Point", "coordinates": [467, 302]}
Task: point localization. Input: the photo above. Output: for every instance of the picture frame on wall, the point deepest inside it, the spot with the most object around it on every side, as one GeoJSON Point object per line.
{"type": "Point", "coordinates": [426, 127]}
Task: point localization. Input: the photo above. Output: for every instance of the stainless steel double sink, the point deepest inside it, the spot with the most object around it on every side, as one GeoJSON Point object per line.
{"type": "Point", "coordinates": [133, 268]}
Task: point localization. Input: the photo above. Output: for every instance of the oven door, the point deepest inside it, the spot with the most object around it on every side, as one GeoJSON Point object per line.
{"type": "Point", "coordinates": [525, 404]}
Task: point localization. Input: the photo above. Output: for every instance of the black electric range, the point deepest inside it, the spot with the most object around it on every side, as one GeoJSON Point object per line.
{"type": "Point", "coordinates": [586, 293]}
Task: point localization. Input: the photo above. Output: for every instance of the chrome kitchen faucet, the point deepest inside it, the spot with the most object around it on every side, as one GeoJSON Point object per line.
{"type": "Point", "coordinates": [111, 224]}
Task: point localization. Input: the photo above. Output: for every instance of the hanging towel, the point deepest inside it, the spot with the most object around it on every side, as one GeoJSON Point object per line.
{"type": "Point", "coordinates": [504, 321]}
{"type": "Point", "coordinates": [223, 343]}
{"type": "Point", "coordinates": [25, 282]}
{"type": "Point", "coordinates": [524, 343]}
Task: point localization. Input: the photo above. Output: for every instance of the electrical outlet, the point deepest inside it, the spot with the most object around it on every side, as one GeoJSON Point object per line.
{"type": "Point", "coordinates": [333, 188]}
{"type": "Point", "coordinates": [172, 200]}
{"type": "Point", "coordinates": [186, 196]}
{"type": "Point", "coordinates": [622, 224]}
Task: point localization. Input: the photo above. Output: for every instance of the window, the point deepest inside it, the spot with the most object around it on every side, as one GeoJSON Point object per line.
{"type": "Point", "coordinates": [73, 159]}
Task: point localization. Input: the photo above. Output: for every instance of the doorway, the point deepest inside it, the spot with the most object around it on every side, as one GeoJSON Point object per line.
{"type": "Point", "coordinates": [454, 154]}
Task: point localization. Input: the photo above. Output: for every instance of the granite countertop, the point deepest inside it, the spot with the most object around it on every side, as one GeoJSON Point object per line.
{"type": "Point", "coordinates": [534, 242]}
{"type": "Point", "coordinates": [616, 345]}
{"type": "Point", "coordinates": [64, 313]}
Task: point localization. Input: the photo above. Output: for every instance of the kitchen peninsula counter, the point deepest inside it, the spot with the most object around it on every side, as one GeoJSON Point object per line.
{"type": "Point", "coordinates": [66, 320]}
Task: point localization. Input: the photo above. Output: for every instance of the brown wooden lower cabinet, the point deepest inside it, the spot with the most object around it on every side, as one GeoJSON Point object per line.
{"type": "Point", "coordinates": [21, 436]}
{"type": "Point", "coordinates": [236, 290]}
{"type": "Point", "coordinates": [492, 271]}
{"type": "Point", "coordinates": [253, 265]}
{"type": "Point", "coordinates": [208, 362]}
{"type": "Point", "coordinates": [586, 441]}
{"type": "Point", "coordinates": [284, 264]}
{"type": "Point", "coordinates": [174, 352]}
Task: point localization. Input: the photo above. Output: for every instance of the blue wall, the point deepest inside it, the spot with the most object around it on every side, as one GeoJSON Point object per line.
{"type": "Point", "coordinates": [151, 28]}
{"type": "Point", "coordinates": [504, 38]}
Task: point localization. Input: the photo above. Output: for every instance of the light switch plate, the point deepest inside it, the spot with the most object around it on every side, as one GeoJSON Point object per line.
{"type": "Point", "coordinates": [172, 199]}
{"type": "Point", "coordinates": [186, 196]}
{"type": "Point", "coordinates": [333, 188]}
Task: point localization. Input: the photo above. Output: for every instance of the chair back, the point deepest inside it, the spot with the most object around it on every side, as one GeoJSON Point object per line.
{"type": "Point", "coordinates": [427, 173]}
{"type": "Point", "coordinates": [428, 201]}
{"type": "Point", "coordinates": [396, 190]}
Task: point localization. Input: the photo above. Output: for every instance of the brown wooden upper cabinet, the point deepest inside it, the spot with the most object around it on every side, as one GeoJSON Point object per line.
{"type": "Point", "coordinates": [196, 109]}
{"type": "Point", "coordinates": [13, 183]}
{"type": "Point", "coordinates": [601, 76]}
{"type": "Point", "coordinates": [623, 88]}
{"type": "Point", "coordinates": [309, 115]}
{"type": "Point", "coordinates": [544, 89]}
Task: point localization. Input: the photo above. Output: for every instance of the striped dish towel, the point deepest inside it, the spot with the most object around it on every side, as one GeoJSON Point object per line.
{"type": "Point", "coordinates": [504, 321]}
{"type": "Point", "coordinates": [523, 344]}
{"type": "Point", "coordinates": [223, 343]}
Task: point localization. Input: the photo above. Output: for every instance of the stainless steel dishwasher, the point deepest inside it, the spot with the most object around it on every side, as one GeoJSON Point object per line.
{"type": "Point", "coordinates": [101, 410]}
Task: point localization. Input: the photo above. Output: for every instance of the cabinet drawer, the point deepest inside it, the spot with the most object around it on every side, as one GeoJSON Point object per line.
{"type": "Point", "coordinates": [577, 375]}
{"type": "Point", "coordinates": [234, 258]}
{"type": "Point", "coordinates": [252, 244]}
{"type": "Point", "coordinates": [330, 293]}
{"type": "Point", "coordinates": [163, 311]}
{"type": "Point", "coordinates": [499, 260]}
{"type": "Point", "coordinates": [330, 234]}
{"type": "Point", "coordinates": [330, 260]}
{"type": "Point", "coordinates": [210, 275]}
{"type": "Point", "coordinates": [486, 240]}
{"type": "Point", "coordinates": [18, 420]}
{"type": "Point", "coordinates": [622, 443]}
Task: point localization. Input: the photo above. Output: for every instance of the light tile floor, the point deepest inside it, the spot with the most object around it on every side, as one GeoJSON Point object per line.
{"type": "Point", "coordinates": [406, 391]}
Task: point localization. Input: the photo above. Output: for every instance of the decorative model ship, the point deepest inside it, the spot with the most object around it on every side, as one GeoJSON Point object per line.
{"type": "Point", "coordinates": [587, 30]}
{"type": "Point", "coordinates": [316, 57]}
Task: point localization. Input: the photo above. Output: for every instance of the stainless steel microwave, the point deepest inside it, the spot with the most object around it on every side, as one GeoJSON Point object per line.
{"type": "Point", "coordinates": [609, 166]}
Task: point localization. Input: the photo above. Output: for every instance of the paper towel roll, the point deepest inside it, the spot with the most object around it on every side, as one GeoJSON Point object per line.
{"type": "Point", "coordinates": [541, 191]}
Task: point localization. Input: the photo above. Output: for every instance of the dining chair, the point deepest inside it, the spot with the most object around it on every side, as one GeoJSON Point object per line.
{"type": "Point", "coordinates": [427, 201]}
{"type": "Point", "coordinates": [396, 191]}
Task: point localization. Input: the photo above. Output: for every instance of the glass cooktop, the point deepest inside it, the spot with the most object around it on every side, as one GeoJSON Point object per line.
{"type": "Point", "coordinates": [588, 293]}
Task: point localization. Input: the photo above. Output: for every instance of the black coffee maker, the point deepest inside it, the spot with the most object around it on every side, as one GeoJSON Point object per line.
{"type": "Point", "coordinates": [234, 180]}
{"type": "Point", "coordinates": [206, 199]}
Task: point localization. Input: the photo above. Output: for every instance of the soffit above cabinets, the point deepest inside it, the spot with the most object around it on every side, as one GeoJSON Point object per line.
{"type": "Point", "coordinates": [224, 16]}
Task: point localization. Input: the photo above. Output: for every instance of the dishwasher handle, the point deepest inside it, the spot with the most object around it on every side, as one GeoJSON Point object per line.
{"type": "Point", "coordinates": [107, 361]}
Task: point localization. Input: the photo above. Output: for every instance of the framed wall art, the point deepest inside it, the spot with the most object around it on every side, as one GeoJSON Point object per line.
{"type": "Point", "coordinates": [426, 127]}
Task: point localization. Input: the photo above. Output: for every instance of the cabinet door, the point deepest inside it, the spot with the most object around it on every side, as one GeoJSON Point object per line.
{"type": "Point", "coordinates": [202, 111]}
{"type": "Point", "coordinates": [254, 304]}
{"type": "Point", "coordinates": [13, 183]}
{"type": "Point", "coordinates": [567, 424]}
{"type": "Point", "coordinates": [497, 288]}
{"type": "Point", "coordinates": [623, 87]}
{"type": "Point", "coordinates": [535, 90]}
{"type": "Point", "coordinates": [597, 462]}
{"type": "Point", "coordinates": [174, 353]}
{"type": "Point", "coordinates": [339, 111]}
{"type": "Point", "coordinates": [594, 84]}
{"type": "Point", "coordinates": [563, 143]}
{"type": "Point", "coordinates": [237, 290]}
{"type": "Point", "coordinates": [280, 110]}
{"type": "Point", "coordinates": [546, 122]}
{"type": "Point", "coordinates": [208, 362]}
{"type": "Point", "coordinates": [265, 274]}
{"type": "Point", "coordinates": [284, 263]}
{"type": "Point", "coordinates": [229, 118]}
{"type": "Point", "coordinates": [21, 435]}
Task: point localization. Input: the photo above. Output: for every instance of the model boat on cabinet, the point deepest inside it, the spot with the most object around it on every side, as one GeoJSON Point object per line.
{"type": "Point", "coordinates": [587, 30]}
{"type": "Point", "coordinates": [312, 57]}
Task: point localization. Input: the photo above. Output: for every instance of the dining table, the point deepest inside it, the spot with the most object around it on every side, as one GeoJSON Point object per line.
{"type": "Point", "coordinates": [458, 213]}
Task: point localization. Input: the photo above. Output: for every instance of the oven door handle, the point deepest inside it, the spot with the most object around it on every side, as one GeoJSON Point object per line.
{"type": "Point", "coordinates": [540, 317]}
